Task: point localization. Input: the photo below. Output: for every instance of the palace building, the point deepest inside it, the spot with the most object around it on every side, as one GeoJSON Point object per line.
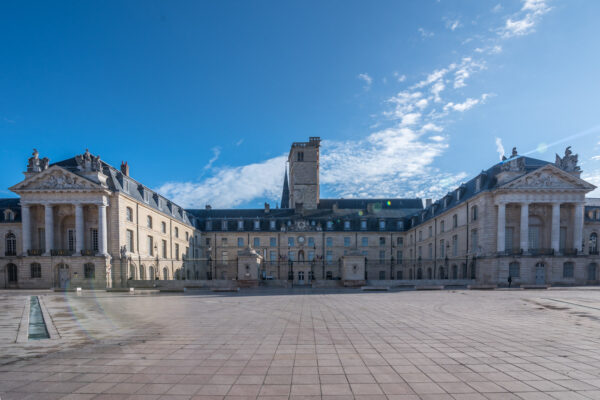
{"type": "Point", "coordinates": [83, 223]}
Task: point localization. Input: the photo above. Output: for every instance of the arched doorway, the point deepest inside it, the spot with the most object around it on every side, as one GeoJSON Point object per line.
{"type": "Point", "coordinates": [64, 276]}
{"type": "Point", "coordinates": [540, 273]}
{"type": "Point", "coordinates": [165, 273]}
{"type": "Point", "coordinates": [441, 273]}
{"type": "Point", "coordinates": [455, 272]}
{"type": "Point", "coordinates": [419, 273]}
{"type": "Point", "coordinates": [592, 272]}
{"type": "Point", "coordinates": [429, 273]}
{"type": "Point", "coordinates": [12, 275]}
{"type": "Point", "coordinates": [151, 272]}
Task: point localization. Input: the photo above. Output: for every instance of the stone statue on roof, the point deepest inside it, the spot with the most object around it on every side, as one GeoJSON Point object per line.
{"type": "Point", "coordinates": [568, 163]}
{"type": "Point", "coordinates": [87, 162]}
{"type": "Point", "coordinates": [34, 164]}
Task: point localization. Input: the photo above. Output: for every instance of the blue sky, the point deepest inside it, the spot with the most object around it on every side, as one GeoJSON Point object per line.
{"type": "Point", "coordinates": [203, 99]}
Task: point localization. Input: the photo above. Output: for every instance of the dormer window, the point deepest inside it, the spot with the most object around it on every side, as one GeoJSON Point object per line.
{"type": "Point", "coordinates": [272, 225]}
{"type": "Point", "coordinates": [400, 225]}
{"type": "Point", "coordinates": [329, 225]}
{"type": "Point", "coordinates": [146, 196]}
{"type": "Point", "coordinates": [381, 225]}
{"type": "Point", "coordinates": [458, 195]}
{"type": "Point", "coordinates": [363, 225]}
{"type": "Point", "coordinates": [240, 225]}
{"type": "Point", "coordinates": [224, 225]}
{"type": "Point", "coordinates": [347, 225]}
{"type": "Point", "coordinates": [445, 202]}
{"type": "Point", "coordinates": [478, 184]}
{"type": "Point", "coordinates": [209, 225]}
{"type": "Point", "coordinates": [9, 215]}
{"type": "Point", "coordinates": [256, 225]}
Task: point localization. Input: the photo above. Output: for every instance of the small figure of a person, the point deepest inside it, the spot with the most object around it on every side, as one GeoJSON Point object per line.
{"type": "Point", "coordinates": [509, 280]}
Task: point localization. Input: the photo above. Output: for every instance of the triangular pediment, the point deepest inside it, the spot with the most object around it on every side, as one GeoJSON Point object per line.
{"type": "Point", "coordinates": [549, 177]}
{"type": "Point", "coordinates": [56, 178]}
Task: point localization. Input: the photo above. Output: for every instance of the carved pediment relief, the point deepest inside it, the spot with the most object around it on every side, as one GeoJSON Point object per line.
{"type": "Point", "coordinates": [549, 177]}
{"type": "Point", "coordinates": [55, 178]}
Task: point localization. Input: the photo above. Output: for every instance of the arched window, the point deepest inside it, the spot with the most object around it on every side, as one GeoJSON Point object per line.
{"type": "Point", "coordinates": [9, 215]}
{"type": "Point", "coordinates": [441, 273]}
{"type": "Point", "coordinates": [11, 245]}
{"type": "Point", "coordinates": [132, 271]}
{"type": "Point", "coordinates": [12, 273]}
{"type": "Point", "coordinates": [419, 273]}
{"type": "Point", "coordinates": [514, 270]}
{"type": "Point", "coordinates": [142, 272]}
{"type": "Point", "coordinates": [151, 272]}
{"type": "Point", "coordinates": [454, 271]}
{"type": "Point", "coordinates": [593, 243]}
{"type": "Point", "coordinates": [429, 273]}
{"type": "Point", "coordinates": [89, 271]}
{"type": "Point", "coordinates": [568, 270]}
{"type": "Point", "coordinates": [473, 271]}
{"type": "Point", "coordinates": [36, 270]}
{"type": "Point", "coordinates": [474, 213]}
{"type": "Point", "coordinates": [165, 273]}
{"type": "Point", "coordinates": [464, 271]}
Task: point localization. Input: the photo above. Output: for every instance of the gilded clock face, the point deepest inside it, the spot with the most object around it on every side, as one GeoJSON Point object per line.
{"type": "Point", "coordinates": [301, 239]}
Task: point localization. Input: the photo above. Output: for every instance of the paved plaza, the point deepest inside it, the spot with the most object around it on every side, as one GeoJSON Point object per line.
{"type": "Point", "coordinates": [296, 344]}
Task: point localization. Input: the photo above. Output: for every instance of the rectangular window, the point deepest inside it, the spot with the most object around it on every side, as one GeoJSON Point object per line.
{"type": "Point", "coordinates": [419, 251]}
{"type": "Point", "coordinates": [256, 242]}
{"type": "Point", "coordinates": [176, 251]}
{"type": "Point", "coordinates": [382, 255]}
{"type": "Point", "coordinates": [347, 225]}
{"type": "Point", "coordinates": [311, 255]}
{"type": "Point", "coordinates": [130, 241]}
{"type": "Point", "coordinates": [442, 248]}
{"type": "Point", "coordinates": [311, 241]}
{"type": "Point", "coordinates": [164, 249]}
{"type": "Point", "coordinates": [421, 234]}
{"type": "Point", "coordinates": [568, 270]}
{"type": "Point", "coordinates": [240, 225]}
{"type": "Point", "coordinates": [150, 245]}
{"type": "Point", "coordinates": [256, 225]}
{"type": "Point", "coordinates": [508, 239]}
{"type": "Point", "coordinates": [273, 242]}
{"type": "Point", "coordinates": [291, 256]}
{"type": "Point", "coordinates": [223, 241]}
{"type": "Point", "coordinates": [429, 232]}
{"type": "Point", "coordinates": [149, 222]}
{"type": "Point", "coordinates": [224, 257]}
{"type": "Point", "coordinates": [223, 225]}
{"type": "Point", "coordinates": [563, 239]}
{"type": "Point", "coordinates": [329, 257]}
{"type": "Point", "coordinates": [42, 238]}
{"type": "Point", "coordinates": [455, 245]}
{"type": "Point", "coordinates": [272, 255]}
{"type": "Point", "coordinates": [364, 241]}
{"type": "Point", "coordinates": [94, 239]}
{"type": "Point", "coordinates": [454, 221]}
{"type": "Point", "coordinates": [207, 241]}
{"type": "Point", "coordinates": [400, 225]}
{"type": "Point", "coordinates": [163, 227]}
{"type": "Point", "coordinates": [36, 270]}
{"type": "Point", "coordinates": [381, 225]}
{"type": "Point", "coordinates": [346, 241]}
{"type": "Point", "coordinates": [129, 214]}
{"type": "Point", "coordinates": [399, 256]}
{"type": "Point", "coordinates": [534, 237]}
{"type": "Point", "coordinates": [240, 242]}
{"type": "Point", "coordinates": [176, 232]}
{"type": "Point", "coordinates": [363, 225]}
{"type": "Point", "coordinates": [400, 242]}
{"type": "Point", "coordinates": [291, 242]}
{"type": "Point", "coordinates": [474, 240]}
{"type": "Point", "coordinates": [272, 225]}
{"type": "Point", "coordinates": [329, 225]}
{"type": "Point", "coordinates": [382, 241]}
{"type": "Point", "coordinates": [430, 250]}
{"type": "Point", "coordinates": [71, 238]}
{"type": "Point", "coordinates": [329, 241]}
{"type": "Point", "coordinates": [442, 225]}
{"type": "Point", "coordinates": [209, 225]}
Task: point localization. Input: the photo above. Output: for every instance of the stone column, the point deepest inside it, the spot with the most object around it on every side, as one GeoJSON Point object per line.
{"type": "Point", "coordinates": [78, 229]}
{"type": "Point", "coordinates": [26, 224]}
{"type": "Point", "coordinates": [555, 236]}
{"type": "Point", "coordinates": [524, 227]}
{"type": "Point", "coordinates": [102, 233]}
{"type": "Point", "coordinates": [49, 228]}
{"type": "Point", "coordinates": [578, 227]}
{"type": "Point", "coordinates": [501, 227]}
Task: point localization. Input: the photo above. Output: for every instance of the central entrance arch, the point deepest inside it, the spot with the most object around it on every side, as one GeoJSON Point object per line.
{"type": "Point", "coordinates": [64, 275]}
{"type": "Point", "coordinates": [540, 273]}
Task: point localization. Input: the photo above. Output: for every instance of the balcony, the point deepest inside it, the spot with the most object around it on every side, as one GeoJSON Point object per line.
{"type": "Point", "coordinates": [61, 252]}
{"type": "Point", "coordinates": [593, 252]}
{"type": "Point", "coordinates": [541, 252]}
{"type": "Point", "coordinates": [569, 252]}
{"type": "Point", "coordinates": [89, 253]}
{"type": "Point", "coordinates": [510, 252]}
{"type": "Point", "coordinates": [35, 252]}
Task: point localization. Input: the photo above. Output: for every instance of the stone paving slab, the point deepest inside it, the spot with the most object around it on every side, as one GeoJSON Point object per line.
{"type": "Point", "coordinates": [291, 344]}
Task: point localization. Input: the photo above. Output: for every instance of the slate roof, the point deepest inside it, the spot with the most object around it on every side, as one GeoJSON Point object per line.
{"type": "Point", "coordinates": [117, 181]}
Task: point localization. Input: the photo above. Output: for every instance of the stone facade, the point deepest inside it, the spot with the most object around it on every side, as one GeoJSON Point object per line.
{"type": "Point", "coordinates": [523, 218]}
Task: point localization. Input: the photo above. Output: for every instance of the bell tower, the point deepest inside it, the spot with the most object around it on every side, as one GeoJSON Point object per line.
{"type": "Point", "coordinates": [304, 174]}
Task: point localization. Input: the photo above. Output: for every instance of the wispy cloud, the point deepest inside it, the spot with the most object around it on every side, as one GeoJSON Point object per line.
{"type": "Point", "coordinates": [499, 148]}
{"type": "Point", "coordinates": [523, 22]}
{"type": "Point", "coordinates": [453, 24]}
{"type": "Point", "coordinates": [425, 34]}
{"type": "Point", "coordinates": [399, 77]}
{"type": "Point", "coordinates": [216, 153]}
{"type": "Point", "coordinates": [367, 79]}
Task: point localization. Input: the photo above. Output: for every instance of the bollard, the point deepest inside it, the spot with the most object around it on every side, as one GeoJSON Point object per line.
{"type": "Point", "coordinates": [132, 290]}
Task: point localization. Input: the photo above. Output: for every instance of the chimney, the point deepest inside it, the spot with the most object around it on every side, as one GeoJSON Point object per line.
{"type": "Point", "coordinates": [267, 208]}
{"type": "Point", "coordinates": [428, 202]}
{"type": "Point", "coordinates": [208, 207]}
{"type": "Point", "coordinates": [125, 168]}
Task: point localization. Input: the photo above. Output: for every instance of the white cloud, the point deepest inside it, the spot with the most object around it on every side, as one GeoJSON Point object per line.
{"type": "Point", "coordinates": [523, 22]}
{"type": "Point", "coordinates": [239, 142]}
{"type": "Point", "coordinates": [216, 153]}
{"type": "Point", "coordinates": [497, 8]}
{"type": "Point", "coordinates": [367, 79]}
{"type": "Point", "coordinates": [453, 24]}
{"type": "Point", "coordinates": [425, 34]}
{"type": "Point", "coordinates": [399, 78]}
{"type": "Point", "coordinates": [465, 105]}
{"type": "Point", "coordinates": [499, 148]}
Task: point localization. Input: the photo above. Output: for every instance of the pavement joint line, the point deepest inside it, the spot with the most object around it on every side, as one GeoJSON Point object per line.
{"type": "Point", "coordinates": [23, 332]}
{"type": "Point", "coordinates": [574, 304]}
